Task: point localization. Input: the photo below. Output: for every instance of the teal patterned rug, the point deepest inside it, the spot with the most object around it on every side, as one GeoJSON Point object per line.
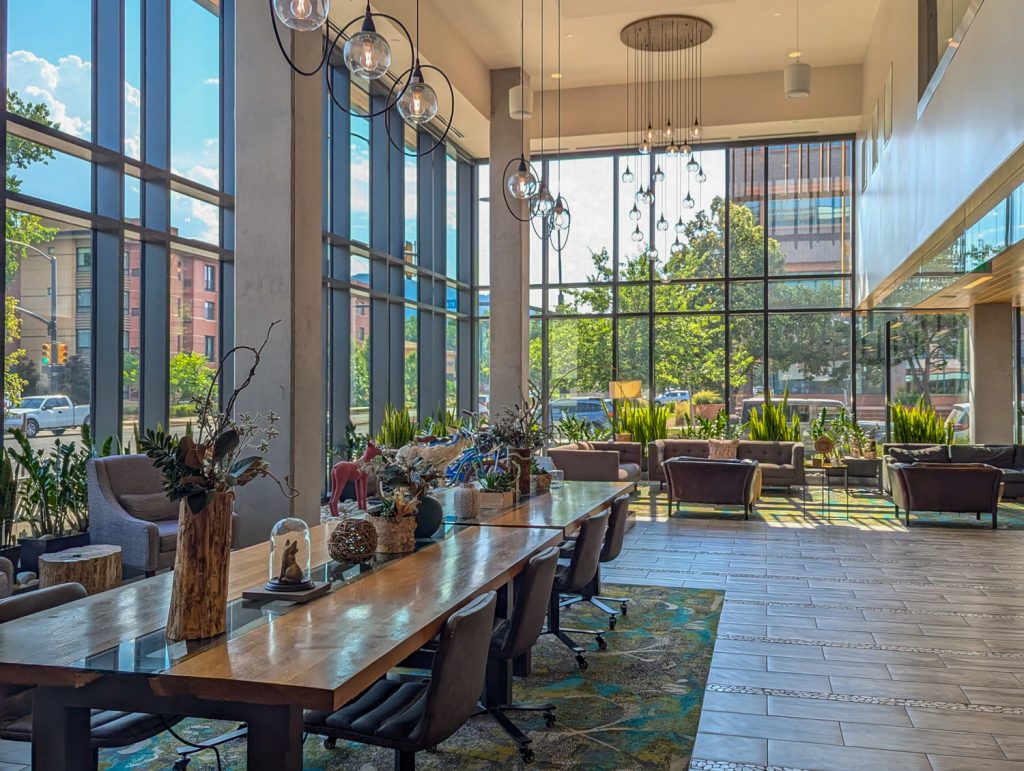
{"type": "Point", "coordinates": [636, 706]}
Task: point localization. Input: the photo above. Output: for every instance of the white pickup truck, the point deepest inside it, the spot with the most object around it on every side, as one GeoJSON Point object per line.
{"type": "Point", "coordinates": [54, 412]}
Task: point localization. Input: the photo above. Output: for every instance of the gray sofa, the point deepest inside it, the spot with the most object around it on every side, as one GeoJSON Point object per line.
{"type": "Point", "coordinates": [599, 461]}
{"type": "Point", "coordinates": [148, 543]}
{"type": "Point", "coordinates": [781, 463]}
{"type": "Point", "coordinates": [1008, 458]}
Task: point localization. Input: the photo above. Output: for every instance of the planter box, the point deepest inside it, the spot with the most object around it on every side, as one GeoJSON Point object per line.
{"type": "Point", "coordinates": [31, 548]}
{"type": "Point", "coordinates": [13, 553]}
{"type": "Point", "coordinates": [708, 411]}
{"type": "Point", "coordinates": [496, 500]}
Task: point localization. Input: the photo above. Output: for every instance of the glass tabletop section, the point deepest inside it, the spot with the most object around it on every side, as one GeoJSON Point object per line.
{"type": "Point", "coordinates": [153, 653]}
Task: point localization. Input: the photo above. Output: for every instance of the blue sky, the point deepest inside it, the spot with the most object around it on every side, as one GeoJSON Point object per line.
{"type": "Point", "coordinates": [51, 62]}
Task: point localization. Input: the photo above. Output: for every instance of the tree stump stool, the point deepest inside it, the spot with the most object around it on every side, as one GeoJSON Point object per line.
{"type": "Point", "coordinates": [97, 568]}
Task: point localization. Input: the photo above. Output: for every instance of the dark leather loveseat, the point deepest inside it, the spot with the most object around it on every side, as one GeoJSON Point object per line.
{"type": "Point", "coordinates": [1008, 458]}
{"type": "Point", "coordinates": [961, 488]}
{"type": "Point", "coordinates": [781, 463]}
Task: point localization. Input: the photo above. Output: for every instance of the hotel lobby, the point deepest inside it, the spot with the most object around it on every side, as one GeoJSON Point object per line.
{"type": "Point", "coordinates": [557, 384]}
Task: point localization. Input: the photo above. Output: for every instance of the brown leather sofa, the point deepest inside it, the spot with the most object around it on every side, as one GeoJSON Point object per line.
{"type": "Point", "coordinates": [599, 461]}
{"type": "Point", "coordinates": [1008, 458]}
{"type": "Point", "coordinates": [960, 488]}
{"type": "Point", "coordinates": [781, 463]}
{"type": "Point", "coordinates": [718, 482]}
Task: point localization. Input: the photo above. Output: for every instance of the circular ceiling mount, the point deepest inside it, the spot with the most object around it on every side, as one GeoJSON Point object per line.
{"type": "Point", "coordinates": [666, 33]}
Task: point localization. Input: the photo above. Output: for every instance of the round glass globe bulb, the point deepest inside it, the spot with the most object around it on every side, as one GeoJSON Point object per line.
{"type": "Point", "coordinates": [691, 165]}
{"type": "Point", "coordinates": [367, 55]}
{"type": "Point", "coordinates": [636, 235]}
{"type": "Point", "coordinates": [688, 202]}
{"type": "Point", "coordinates": [680, 227]}
{"type": "Point", "coordinates": [666, 278]}
{"type": "Point", "coordinates": [662, 223]}
{"type": "Point", "coordinates": [541, 202]}
{"type": "Point", "coordinates": [645, 147]}
{"type": "Point", "coordinates": [659, 175]}
{"type": "Point", "coordinates": [634, 214]}
{"type": "Point", "coordinates": [686, 149]}
{"type": "Point", "coordinates": [627, 176]}
{"type": "Point", "coordinates": [302, 15]}
{"type": "Point", "coordinates": [672, 150]}
{"type": "Point", "coordinates": [418, 104]}
{"type": "Point", "coordinates": [560, 217]}
{"type": "Point", "coordinates": [652, 254]}
{"type": "Point", "coordinates": [521, 183]}
{"type": "Point", "coordinates": [701, 176]}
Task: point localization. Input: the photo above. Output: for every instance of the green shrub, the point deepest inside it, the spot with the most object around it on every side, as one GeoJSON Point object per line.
{"type": "Point", "coordinates": [769, 423]}
{"type": "Point", "coordinates": [707, 397]}
{"type": "Point", "coordinates": [397, 429]}
{"type": "Point", "coordinates": [919, 425]}
{"type": "Point", "coordinates": [644, 422]}
{"type": "Point", "coordinates": [576, 429]}
{"type": "Point", "coordinates": [717, 427]}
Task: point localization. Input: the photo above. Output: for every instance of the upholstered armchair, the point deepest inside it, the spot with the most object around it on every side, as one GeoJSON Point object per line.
{"type": "Point", "coordinates": [598, 461]}
{"type": "Point", "coordinates": [128, 508]}
{"type": "Point", "coordinates": [717, 482]}
{"type": "Point", "coordinates": [6, 577]}
{"type": "Point", "coordinates": [962, 488]}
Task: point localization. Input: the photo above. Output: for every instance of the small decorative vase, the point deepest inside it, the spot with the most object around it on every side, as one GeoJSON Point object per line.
{"type": "Point", "coordinates": [199, 593]}
{"type": "Point", "coordinates": [523, 458]}
{"type": "Point", "coordinates": [429, 516]}
{"type": "Point", "coordinates": [395, 535]}
{"type": "Point", "coordinates": [467, 501]}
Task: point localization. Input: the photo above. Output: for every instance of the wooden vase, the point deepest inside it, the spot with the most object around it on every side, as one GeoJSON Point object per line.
{"type": "Point", "coordinates": [524, 459]}
{"type": "Point", "coordinates": [199, 595]}
{"type": "Point", "coordinates": [395, 535]}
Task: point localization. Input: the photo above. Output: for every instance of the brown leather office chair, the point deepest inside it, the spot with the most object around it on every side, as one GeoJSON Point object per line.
{"type": "Point", "coordinates": [409, 716]}
{"type": "Point", "coordinates": [514, 637]}
{"type": "Point", "coordinates": [573, 576]}
{"type": "Point", "coordinates": [110, 728]}
{"type": "Point", "coordinates": [614, 537]}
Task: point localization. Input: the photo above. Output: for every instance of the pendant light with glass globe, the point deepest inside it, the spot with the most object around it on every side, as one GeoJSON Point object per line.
{"type": "Point", "coordinates": [559, 219]}
{"type": "Point", "coordinates": [521, 180]}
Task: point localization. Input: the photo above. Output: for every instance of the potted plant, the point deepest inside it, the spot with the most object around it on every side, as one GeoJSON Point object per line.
{"type": "Point", "coordinates": [201, 469]}
{"type": "Point", "coordinates": [414, 478]}
{"type": "Point", "coordinates": [397, 429]}
{"type": "Point", "coordinates": [707, 403]}
{"type": "Point", "coordinates": [497, 488]}
{"type": "Point", "coordinates": [540, 478]}
{"type": "Point", "coordinates": [770, 423]}
{"type": "Point", "coordinates": [8, 509]}
{"type": "Point", "coordinates": [519, 430]}
{"type": "Point", "coordinates": [395, 521]}
{"type": "Point", "coordinates": [919, 425]}
{"type": "Point", "coordinates": [52, 498]}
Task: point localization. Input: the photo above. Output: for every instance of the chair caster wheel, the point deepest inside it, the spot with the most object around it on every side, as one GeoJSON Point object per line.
{"type": "Point", "coordinates": [581, 662]}
{"type": "Point", "coordinates": [611, 622]}
{"type": "Point", "coordinates": [624, 608]}
{"type": "Point", "coordinates": [602, 644]}
{"type": "Point", "coordinates": [432, 749]}
{"type": "Point", "coordinates": [549, 719]}
{"type": "Point", "coordinates": [330, 743]}
{"type": "Point", "coordinates": [527, 754]}
{"type": "Point", "coordinates": [181, 764]}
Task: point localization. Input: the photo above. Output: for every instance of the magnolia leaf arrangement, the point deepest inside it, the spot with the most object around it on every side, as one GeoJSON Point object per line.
{"type": "Point", "coordinates": [403, 482]}
{"type": "Point", "coordinates": [520, 427]}
{"type": "Point", "coordinates": [223, 450]}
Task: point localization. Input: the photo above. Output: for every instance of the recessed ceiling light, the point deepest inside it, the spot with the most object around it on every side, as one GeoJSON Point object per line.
{"type": "Point", "coordinates": [556, 75]}
{"type": "Point", "coordinates": [568, 34]}
{"type": "Point", "coordinates": [794, 54]}
{"type": "Point", "coordinates": [778, 13]}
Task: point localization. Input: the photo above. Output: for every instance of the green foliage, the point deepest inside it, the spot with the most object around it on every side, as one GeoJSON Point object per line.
{"type": "Point", "coordinates": [130, 370]}
{"type": "Point", "coordinates": [500, 481]}
{"type": "Point", "coordinates": [397, 429]}
{"type": "Point", "coordinates": [52, 497]}
{"type": "Point", "coordinates": [190, 377]}
{"type": "Point", "coordinates": [576, 429]}
{"type": "Point", "coordinates": [360, 374]}
{"type": "Point", "coordinates": [355, 442]}
{"type": "Point", "coordinates": [707, 397]}
{"type": "Point", "coordinates": [770, 424]}
{"type": "Point", "coordinates": [919, 424]}
{"type": "Point", "coordinates": [441, 422]}
{"type": "Point", "coordinates": [8, 499]}
{"type": "Point", "coordinates": [644, 422]}
{"type": "Point", "coordinates": [717, 427]}
{"type": "Point", "coordinates": [519, 427]}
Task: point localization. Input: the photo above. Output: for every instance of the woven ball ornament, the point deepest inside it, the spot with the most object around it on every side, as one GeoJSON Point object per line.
{"type": "Point", "coordinates": [353, 540]}
{"type": "Point", "coordinates": [824, 445]}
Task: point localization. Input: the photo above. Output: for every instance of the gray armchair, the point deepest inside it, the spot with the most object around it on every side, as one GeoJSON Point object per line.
{"type": "Point", "coordinates": [148, 540]}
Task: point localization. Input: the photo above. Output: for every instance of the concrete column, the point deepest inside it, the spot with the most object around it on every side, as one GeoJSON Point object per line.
{"type": "Point", "coordinates": [279, 140]}
{"type": "Point", "coordinates": [510, 257]}
{"type": "Point", "coordinates": [991, 336]}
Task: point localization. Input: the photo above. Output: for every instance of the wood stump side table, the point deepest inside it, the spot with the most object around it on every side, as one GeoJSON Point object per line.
{"type": "Point", "coordinates": [96, 567]}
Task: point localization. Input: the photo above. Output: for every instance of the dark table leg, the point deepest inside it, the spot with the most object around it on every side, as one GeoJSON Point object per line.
{"type": "Point", "coordinates": [60, 733]}
{"type": "Point", "coordinates": [275, 738]}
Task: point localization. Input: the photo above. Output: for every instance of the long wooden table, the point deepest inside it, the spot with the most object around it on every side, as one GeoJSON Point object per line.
{"type": "Point", "coordinates": [318, 656]}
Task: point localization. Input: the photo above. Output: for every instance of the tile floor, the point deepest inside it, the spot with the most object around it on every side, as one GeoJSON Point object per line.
{"type": "Point", "coordinates": [849, 645]}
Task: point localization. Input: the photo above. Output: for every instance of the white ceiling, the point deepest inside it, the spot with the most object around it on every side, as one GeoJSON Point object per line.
{"type": "Point", "coordinates": [749, 35]}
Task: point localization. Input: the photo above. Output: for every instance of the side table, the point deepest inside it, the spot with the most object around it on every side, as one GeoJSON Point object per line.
{"type": "Point", "coordinates": [96, 567]}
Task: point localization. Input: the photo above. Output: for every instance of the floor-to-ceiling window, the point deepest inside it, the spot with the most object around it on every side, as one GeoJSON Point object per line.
{"type": "Point", "coordinates": [397, 238]}
{"type": "Point", "coordinates": [748, 289]}
{"type": "Point", "coordinates": [118, 258]}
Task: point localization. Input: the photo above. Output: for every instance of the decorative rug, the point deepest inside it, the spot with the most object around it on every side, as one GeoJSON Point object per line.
{"type": "Point", "coordinates": [636, 706]}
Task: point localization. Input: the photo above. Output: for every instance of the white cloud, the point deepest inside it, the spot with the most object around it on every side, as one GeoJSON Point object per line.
{"type": "Point", "coordinates": [205, 175]}
{"type": "Point", "coordinates": [65, 87]}
{"type": "Point", "coordinates": [211, 82]}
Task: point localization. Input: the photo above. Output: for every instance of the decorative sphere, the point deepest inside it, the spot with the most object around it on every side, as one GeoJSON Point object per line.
{"type": "Point", "coordinates": [367, 55]}
{"type": "Point", "coordinates": [302, 15]}
{"type": "Point", "coordinates": [634, 214]}
{"type": "Point", "coordinates": [353, 541]}
{"type": "Point", "coordinates": [418, 104]}
{"type": "Point", "coordinates": [521, 183]}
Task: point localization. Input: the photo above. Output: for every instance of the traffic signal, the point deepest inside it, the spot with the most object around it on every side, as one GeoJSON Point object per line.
{"type": "Point", "coordinates": [46, 354]}
{"type": "Point", "coordinates": [62, 353]}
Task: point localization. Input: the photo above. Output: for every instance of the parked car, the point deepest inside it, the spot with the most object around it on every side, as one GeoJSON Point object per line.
{"type": "Point", "coordinates": [960, 418]}
{"type": "Point", "coordinates": [589, 407]}
{"type": "Point", "coordinates": [673, 396]}
{"type": "Point", "coordinates": [53, 412]}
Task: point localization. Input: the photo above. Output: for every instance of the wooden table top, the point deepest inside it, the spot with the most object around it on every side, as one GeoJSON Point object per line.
{"type": "Point", "coordinates": [318, 655]}
{"type": "Point", "coordinates": [563, 509]}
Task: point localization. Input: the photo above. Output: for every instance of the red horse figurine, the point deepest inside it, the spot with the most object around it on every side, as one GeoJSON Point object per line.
{"type": "Point", "coordinates": [346, 470]}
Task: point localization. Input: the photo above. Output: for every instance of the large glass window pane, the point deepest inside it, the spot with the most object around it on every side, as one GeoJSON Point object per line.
{"type": "Point", "coordinates": [412, 247]}
{"type": "Point", "coordinates": [634, 348]}
{"type": "Point", "coordinates": [1017, 215]}
{"type": "Point", "coordinates": [195, 91]}
{"type": "Point", "coordinates": [930, 359]}
{"type": "Point", "coordinates": [195, 219]}
{"type": "Point", "coordinates": [700, 228]}
{"type": "Point", "coordinates": [451, 362]}
{"type": "Point", "coordinates": [809, 355]}
{"type": "Point", "coordinates": [48, 344]}
{"type": "Point", "coordinates": [194, 337]}
{"type": "Point", "coordinates": [870, 384]}
{"type": "Point", "coordinates": [132, 78]}
{"type": "Point", "coordinates": [810, 207]}
{"type": "Point", "coordinates": [809, 293]}
{"type": "Point", "coordinates": [698, 296]}
{"type": "Point", "coordinates": [587, 185]}
{"type": "Point", "coordinates": [985, 238]}
{"type": "Point", "coordinates": [746, 361]}
{"type": "Point", "coordinates": [746, 213]}
{"type": "Point", "coordinates": [131, 344]}
{"type": "Point", "coordinates": [632, 242]}
{"type": "Point", "coordinates": [580, 357]}
{"type": "Point", "coordinates": [411, 362]}
{"type": "Point", "coordinates": [483, 240]}
{"type": "Point", "coordinates": [451, 217]}
{"type": "Point", "coordinates": [48, 174]}
{"type": "Point", "coordinates": [49, 63]}
{"type": "Point", "coordinates": [484, 364]}
{"type": "Point", "coordinates": [359, 166]}
{"type": "Point", "coordinates": [690, 353]}
{"type": "Point", "coordinates": [359, 388]}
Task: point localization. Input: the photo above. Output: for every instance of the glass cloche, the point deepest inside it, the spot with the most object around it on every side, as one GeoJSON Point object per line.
{"type": "Point", "coordinates": [289, 557]}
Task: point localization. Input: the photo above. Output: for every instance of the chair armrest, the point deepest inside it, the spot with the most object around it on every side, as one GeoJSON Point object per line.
{"type": "Point", "coordinates": [798, 462]}
{"type": "Point", "coordinates": [655, 459]}
{"type": "Point", "coordinates": [587, 465]}
{"type": "Point", "coordinates": [109, 523]}
{"type": "Point", "coordinates": [7, 582]}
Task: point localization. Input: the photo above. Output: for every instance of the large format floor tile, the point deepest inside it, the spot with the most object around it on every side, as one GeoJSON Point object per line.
{"type": "Point", "coordinates": [849, 644]}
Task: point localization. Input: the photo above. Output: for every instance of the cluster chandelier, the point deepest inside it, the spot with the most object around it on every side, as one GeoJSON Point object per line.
{"type": "Point", "coordinates": [548, 214]}
{"type": "Point", "coordinates": [664, 114]}
{"type": "Point", "coordinates": [367, 54]}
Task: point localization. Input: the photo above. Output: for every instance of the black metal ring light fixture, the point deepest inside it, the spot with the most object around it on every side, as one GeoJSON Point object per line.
{"type": "Point", "coordinates": [521, 184]}
{"type": "Point", "coordinates": [330, 47]}
{"type": "Point", "coordinates": [559, 220]}
{"type": "Point", "coordinates": [414, 73]}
